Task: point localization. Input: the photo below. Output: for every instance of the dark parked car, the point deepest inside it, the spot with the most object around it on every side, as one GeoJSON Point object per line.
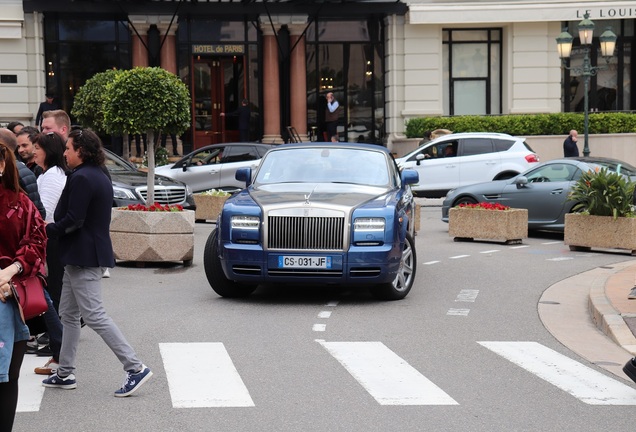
{"type": "Point", "coordinates": [130, 185]}
{"type": "Point", "coordinates": [214, 166]}
{"type": "Point", "coordinates": [321, 214]}
{"type": "Point", "coordinates": [543, 190]}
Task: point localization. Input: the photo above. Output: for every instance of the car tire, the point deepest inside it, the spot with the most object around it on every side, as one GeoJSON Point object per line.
{"type": "Point", "coordinates": [214, 272]}
{"type": "Point", "coordinates": [400, 287]}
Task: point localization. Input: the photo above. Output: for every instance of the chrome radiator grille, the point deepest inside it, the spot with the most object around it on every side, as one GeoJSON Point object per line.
{"type": "Point", "coordinates": [165, 195]}
{"type": "Point", "coordinates": [305, 233]}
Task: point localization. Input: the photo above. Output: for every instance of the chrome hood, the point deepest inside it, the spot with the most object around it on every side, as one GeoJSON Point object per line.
{"type": "Point", "coordinates": [282, 195]}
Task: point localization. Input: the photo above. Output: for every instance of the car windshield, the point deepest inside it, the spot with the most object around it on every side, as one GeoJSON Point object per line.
{"type": "Point", "coordinates": [116, 165]}
{"type": "Point", "coordinates": [324, 165]}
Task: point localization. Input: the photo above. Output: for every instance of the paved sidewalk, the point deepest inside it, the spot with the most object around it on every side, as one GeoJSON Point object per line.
{"type": "Point", "coordinates": [612, 311]}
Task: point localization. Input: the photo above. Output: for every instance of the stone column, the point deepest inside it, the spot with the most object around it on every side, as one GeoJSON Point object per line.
{"type": "Point", "coordinates": [271, 88]}
{"type": "Point", "coordinates": [298, 80]}
{"type": "Point", "coordinates": [139, 43]}
{"type": "Point", "coordinates": [168, 61]}
{"type": "Point", "coordinates": [168, 52]}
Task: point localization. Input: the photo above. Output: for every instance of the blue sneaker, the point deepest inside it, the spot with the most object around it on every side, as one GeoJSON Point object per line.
{"type": "Point", "coordinates": [55, 381]}
{"type": "Point", "coordinates": [133, 381]}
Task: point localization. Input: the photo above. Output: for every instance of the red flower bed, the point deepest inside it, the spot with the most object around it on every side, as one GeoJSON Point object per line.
{"type": "Point", "coordinates": [156, 207]}
{"type": "Point", "coordinates": [485, 206]}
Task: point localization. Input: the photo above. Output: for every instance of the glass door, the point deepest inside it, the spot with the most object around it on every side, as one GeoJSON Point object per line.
{"type": "Point", "coordinates": [218, 87]}
{"type": "Point", "coordinates": [208, 127]}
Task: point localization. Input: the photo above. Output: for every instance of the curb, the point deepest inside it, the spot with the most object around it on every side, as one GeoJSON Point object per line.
{"type": "Point", "coordinates": [607, 318]}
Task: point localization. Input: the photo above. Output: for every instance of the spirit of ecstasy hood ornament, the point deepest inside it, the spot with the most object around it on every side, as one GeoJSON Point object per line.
{"type": "Point", "coordinates": [309, 196]}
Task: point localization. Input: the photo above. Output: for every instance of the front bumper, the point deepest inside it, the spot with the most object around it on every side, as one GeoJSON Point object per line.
{"type": "Point", "coordinates": [360, 265]}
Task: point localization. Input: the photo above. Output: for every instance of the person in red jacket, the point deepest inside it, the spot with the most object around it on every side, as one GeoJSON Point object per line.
{"type": "Point", "coordinates": [23, 251]}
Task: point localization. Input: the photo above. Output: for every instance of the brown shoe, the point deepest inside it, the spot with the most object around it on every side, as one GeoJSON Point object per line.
{"type": "Point", "coordinates": [49, 368]}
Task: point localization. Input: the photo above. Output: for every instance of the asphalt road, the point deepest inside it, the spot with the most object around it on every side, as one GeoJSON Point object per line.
{"type": "Point", "coordinates": [316, 359]}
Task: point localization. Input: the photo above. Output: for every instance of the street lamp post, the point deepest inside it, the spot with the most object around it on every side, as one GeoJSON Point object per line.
{"type": "Point", "coordinates": [564, 47]}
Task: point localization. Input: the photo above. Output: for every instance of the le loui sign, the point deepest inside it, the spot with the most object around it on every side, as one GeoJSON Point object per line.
{"type": "Point", "coordinates": [466, 12]}
{"type": "Point", "coordinates": [608, 13]}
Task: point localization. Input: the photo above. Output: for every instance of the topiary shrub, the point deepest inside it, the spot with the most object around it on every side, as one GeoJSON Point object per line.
{"type": "Point", "coordinates": [147, 100]}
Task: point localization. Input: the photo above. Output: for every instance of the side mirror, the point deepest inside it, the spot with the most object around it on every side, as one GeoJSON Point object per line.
{"type": "Point", "coordinates": [410, 176]}
{"type": "Point", "coordinates": [419, 158]}
{"type": "Point", "coordinates": [244, 175]}
{"type": "Point", "coordinates": [184, 165]}
{"type": "Point", "coordinates": [521, 181]}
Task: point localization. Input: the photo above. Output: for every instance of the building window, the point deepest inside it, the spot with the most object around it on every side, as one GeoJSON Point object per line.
{"type": "Point", "coordinates": [347, 58]}
{"type": "Point", "coordinates": [610, 89]}
{"type": "Point", "coordinates": [472, 71]}
{"type": "Point", "coordinates": [76, 49]}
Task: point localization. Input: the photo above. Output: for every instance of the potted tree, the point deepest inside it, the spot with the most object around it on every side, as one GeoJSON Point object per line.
{"type": "Point", "coordinates": [150, 101]}
{"type": "Point", "coordinates": [488, 221]}
{"type": "Point", "coordinates": [604, 215]}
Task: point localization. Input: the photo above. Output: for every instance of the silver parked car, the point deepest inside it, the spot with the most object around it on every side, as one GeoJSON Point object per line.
{"type": "Point", "coordinates": [214, 166]}
{"type": "Point", "coordinates": [543, 190]}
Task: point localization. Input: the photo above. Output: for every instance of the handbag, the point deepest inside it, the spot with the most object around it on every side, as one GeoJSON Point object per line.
{"type": "Point", "coordinates": [28, 289]}
{"type": "Point", "coordinates": [29, 293]}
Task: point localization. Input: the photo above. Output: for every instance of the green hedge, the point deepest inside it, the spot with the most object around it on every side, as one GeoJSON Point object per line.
{"type": "Point", "coordinates": [526, 124]}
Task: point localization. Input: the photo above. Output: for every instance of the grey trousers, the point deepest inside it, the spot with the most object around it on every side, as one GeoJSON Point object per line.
{"type": "Point", "coordinates": [82, 296]}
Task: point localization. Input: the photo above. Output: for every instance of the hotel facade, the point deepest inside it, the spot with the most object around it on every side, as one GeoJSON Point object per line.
{"type": "Point", "coordinates": [385, 61]}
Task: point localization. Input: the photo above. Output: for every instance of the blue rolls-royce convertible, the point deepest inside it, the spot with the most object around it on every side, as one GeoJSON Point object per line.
{"type": "Point", "coordinates": [317, 213]}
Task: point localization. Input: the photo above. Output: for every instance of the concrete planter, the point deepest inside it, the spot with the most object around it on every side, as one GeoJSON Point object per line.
{"type": "Point", "coordinates": [208, 206]}
{"type": "Point", "coordinates": [509, 226]}
{"type": "Point", "coordinates": [418, 217]}
{"type": "Point", "coordinates": [583, 232]}
{"type": "Point", "coordinates": [153, 236]}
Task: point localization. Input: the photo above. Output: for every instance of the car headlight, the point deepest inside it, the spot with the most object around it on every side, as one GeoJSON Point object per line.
{"type": "Point", "coordinates": [368, 231]}
{"type": "Point", "coordinates": [245, 222]}
{"type": "Point", "coordinates": [369, 224]}
{"type": "Point", "coordinates": [124, 194]}
{"type": "Point", "coordinates": [245, 229]}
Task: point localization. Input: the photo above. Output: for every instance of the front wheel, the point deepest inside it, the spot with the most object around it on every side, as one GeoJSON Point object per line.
{"type": "Point", "coordinates": [401, 285]}
{"type": "Point", "coordinates": [214, 271]}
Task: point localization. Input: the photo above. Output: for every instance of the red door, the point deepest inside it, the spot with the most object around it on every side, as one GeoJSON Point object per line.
{"type": "Point", "coordinates": [207, 101]}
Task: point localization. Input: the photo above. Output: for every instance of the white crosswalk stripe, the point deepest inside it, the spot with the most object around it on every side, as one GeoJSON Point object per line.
{"type": "Point", "coordinates": [203, 375]}
{"type": "Point", "coordinates": [582, 382]}
{"type": "Point", "coordinates": [387, 377]}
{"type": "Point", "coordinates": [31, 390]}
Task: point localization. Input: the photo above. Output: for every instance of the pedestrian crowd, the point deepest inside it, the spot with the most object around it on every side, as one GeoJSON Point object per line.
{"type": "Point", "coordinates": [48, 214]}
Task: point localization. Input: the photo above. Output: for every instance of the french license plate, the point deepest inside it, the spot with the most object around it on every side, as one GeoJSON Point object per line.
{"type": "Point", "coordinates": [307, 262]}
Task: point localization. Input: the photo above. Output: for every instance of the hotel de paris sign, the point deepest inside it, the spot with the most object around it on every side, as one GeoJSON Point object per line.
{"type": "Point", "coordinates": [219, 49]}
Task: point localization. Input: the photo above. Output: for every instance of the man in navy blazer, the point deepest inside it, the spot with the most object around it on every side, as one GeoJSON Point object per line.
{"type": "Point", "coordinates": [82, 221]}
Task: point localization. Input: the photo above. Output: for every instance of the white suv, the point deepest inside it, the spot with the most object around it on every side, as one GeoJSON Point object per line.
{"type": "Point", "coordinates": [461, 159]}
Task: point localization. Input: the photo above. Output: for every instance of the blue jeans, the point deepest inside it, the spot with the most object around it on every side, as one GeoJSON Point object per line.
{"type": "Point", "coordinates": [12, 329]}
{"type": "Point", "coordinates": [82, 297]}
